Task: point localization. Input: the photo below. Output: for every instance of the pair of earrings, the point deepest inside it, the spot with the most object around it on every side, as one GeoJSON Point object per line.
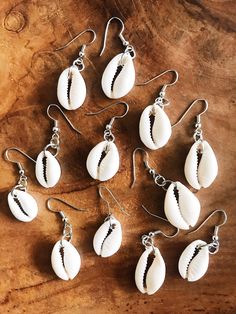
{"type": "Point", "coordinates": [193, 262]}
{"type": "Point", "coordinates": [65, 259]}
{"type": "Point", "coordinates": [117, 80]}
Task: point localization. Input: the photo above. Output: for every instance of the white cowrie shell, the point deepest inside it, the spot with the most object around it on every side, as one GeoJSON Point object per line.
{"type": "Point", "coordinates": [157, 135]}
{"type": "Point", "coordinates": [181, 206]}
{"type": "Point", "coordinates": [107, 240]}
{"type": "Point", "coordinates": [71, 88]}
{"type": "Point", "coordinates": [22, 205]}
{"type": "Point", "coordinates": [149, 281]}
{"type": "Point", "coordinates": [119, 76]}
{"type": "Point", "coordinates": [203, 173]}
{"type": "Point", "coordinates": [65, 260]}
{"type": "Point", "coordinates": [47, 170]}
{"type": "Point", "coordinates": [194, 260]}
{"type": "Point", "coordinates": [102, 167]}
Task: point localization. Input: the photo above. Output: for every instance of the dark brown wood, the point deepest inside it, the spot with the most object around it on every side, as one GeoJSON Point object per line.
{"type": "Point", "coordinates": [194, 37]}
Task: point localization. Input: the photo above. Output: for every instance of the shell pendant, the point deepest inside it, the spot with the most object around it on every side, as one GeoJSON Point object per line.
{"type": "Point", "coordinates": [181, 206]}
{"type": "Point", "coordinates": [107, 240]}
{"type": "Point", "coordinates": [194, 260]}
{"type": "Point", "coordinates": [119, 76]}
{"type": "Point", "coordinates": [103, 161]}
{"type": "Point", "coordinates": [47, 170]}
{"type": "Point", "coordinates": [71, 88]}
{"type": "Point", "coordinates": [22, 205]}
{"type": "Point", "coordinates": [154, 127]}
{"type": "Point", "coordinates": [65, 260]}
{"type": "Point", "coordinates": [149, 279]}
{"type": "Point", "coordinates": [201, 166]}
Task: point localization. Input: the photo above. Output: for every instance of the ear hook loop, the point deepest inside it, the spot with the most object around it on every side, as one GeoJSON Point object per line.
{"type": "Point", "coordinates": [79, 61]}
{"type": "Point", "coordinates": [198, 131]}
{"type": "Point", "coordinates": [147, 239]}
{"type": "Point", "coordinates": [108, 136]}
{"type": "Point", "coordinates": [160, 100]}
{"type": "Point", "coordinates": [67, 228]}
{"type": "Point", "coordinates": [103, 187]}
{"type": "Point", "coordinates": [214, 245]}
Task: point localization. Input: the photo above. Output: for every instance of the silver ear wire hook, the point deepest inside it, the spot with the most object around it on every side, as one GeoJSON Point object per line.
{"type": "Point", "coordinates": [214, 245]}
{"type": "Point", "coordinates": [67, 228]}
{"type": "Point", "coordinates": [113, 197]}
{"type": "Point", "coordinates": [145, 161]}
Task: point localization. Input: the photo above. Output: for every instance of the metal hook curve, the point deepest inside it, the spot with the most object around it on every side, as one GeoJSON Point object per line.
{"type": "Point", "coordinates": [145, 160]}
{"type": "Point", "coordinates": [77, 36]}
{"type": "Point", "coordinates": [107, 107]}
{"type": "Point", "coordinates": [159, 75]}
{"type": "Point", "coordinates": [6, 156]}
{"type": "Point", "coordinates": [189, 108]}
{"type": "Point", "coordinates": [113, 197]}
{"type": "Point", "coordinates": [209, 216]}
{"type": "Point", "coordinates": [60, 201]}
{"type": "Point", "coordinates": [64, 116]}
{"type": "Point", "coordinates": [124, 42]}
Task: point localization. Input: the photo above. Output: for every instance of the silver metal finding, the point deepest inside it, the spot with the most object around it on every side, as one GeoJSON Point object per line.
{"type": "Point", "coordinates": [161, 100]}
{"type": "Point", "coordinates": [55, 139]}
{"type": "Point", "coordinates": [103, 187]}
{"type": "Point", "coordinates": [213, 246]}
{"type": "Point", "coordinates": [67, 227]}
{"type": "Point", "coordinates": [22, 182]}
{"type": "Point", "coordinates": [108, 135]}
{"type": "Point", "coordinates": [198, 131]}
{"type": "Point", "coordinates": [158, 178]}
{"type": "Point", "coordinates": [79, 61]}
{"type": "Point", "coordinates": [128, 48]}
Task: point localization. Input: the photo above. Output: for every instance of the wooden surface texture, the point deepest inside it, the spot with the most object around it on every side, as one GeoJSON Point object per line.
{"type": "Point", "coordinates": [197, 38]}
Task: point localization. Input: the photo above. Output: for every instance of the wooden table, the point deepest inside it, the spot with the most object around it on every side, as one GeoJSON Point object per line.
{"type": "Point", "coordinates": [193, 37]}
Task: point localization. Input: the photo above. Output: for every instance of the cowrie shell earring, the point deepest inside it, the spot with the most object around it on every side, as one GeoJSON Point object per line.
{"type": "Point", "coordinates": [107, 239]}
{"type": "Point", "coordinates": [119, 75]}
{"type": "Point", "coordinates": [71, 88]}
{"type": "Point", "coordinates": [48, 169]}
{"type": "Point", "coordinates": [103, 161]}
{"type": "Point", "coordinates": [150, 278]}
{"type": "Point", "coordinates": [201, 167]}
{"type": "Point", "coordinates": [65, 259]}
{"type": "Point", "coordinates": [154, 124]}
{"type": "Point", "coordinates": [22, 205]}
{"type": "Point", "coordinates": [181, 206]}
{"type": "Point", "coordinates": [194, 260]}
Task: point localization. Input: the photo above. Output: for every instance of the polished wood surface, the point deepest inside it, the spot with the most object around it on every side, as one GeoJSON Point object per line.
{"type": "Point", "coordinates": [194, 37]}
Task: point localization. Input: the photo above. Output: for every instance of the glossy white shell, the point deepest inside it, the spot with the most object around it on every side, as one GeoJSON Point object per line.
{"type": "Point", "coordinates": [69, 267]}
{"type": "Point", "coordinates": [183, 213]}
{"type": "Point", "coordinates": [47, 175]}
{"type": "Point", "coordinates": [155, 275]}
{"type": "Point", "coordinates": [204, 173]}
{"type": "Point", "coordinates": [124, 81]}
{"type": "Point", "coordinates": [158, 134]}
{"type": "Point", "coordinates": [193, 268]}
{"type": "Point", "coordinates": [23, 206]}
{"type": "Point", "coordinates": [106, 245]}
{"type": "Point", "coordinates": [75, 97]}
{"type": "Point", "coordinates": [109, 164]}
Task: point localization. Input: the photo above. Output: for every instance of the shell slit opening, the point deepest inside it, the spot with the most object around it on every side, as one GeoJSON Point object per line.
{"type": "Point", "coordinates": [111, 228]}
{"type": "Point", "coordinates": [149, 262]}
{"type": "Point", "coordinates": [17, 201]}
{"type": "Point", "coordinates": [118, 70]}
{"type": "Point", "coordinates": [44, 161]}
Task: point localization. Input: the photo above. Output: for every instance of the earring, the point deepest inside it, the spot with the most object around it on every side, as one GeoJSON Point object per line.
{"type": "Point", "coordinates": [181, 206]}
{"type": "Point", "coordinates": [48, 169]}
{"type": "Point", "coordinates": [194, 260]}
{"type": "Point", "coordinates": [201, 166]}
{"type": "Point", "coordinates": [119, 75]}
{"type": "Point", "coordinates": [22, 205]}
{"type": "Point", "coordinates": [71, 88]}
{"type": "Point", "coordinates": [65, 258]}
{"type": "Point", "coordinates": [107, 239]}
{"type": "Point", "coordinates": [103, 160]}
{"type": "Point", "coordinates": [154, 124]}
{"type": "Point", "coordinates": [150, 278]}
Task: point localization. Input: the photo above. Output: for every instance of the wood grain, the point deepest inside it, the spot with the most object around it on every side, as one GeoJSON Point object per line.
{"type": "Point", "coordinates": [195, 37]}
